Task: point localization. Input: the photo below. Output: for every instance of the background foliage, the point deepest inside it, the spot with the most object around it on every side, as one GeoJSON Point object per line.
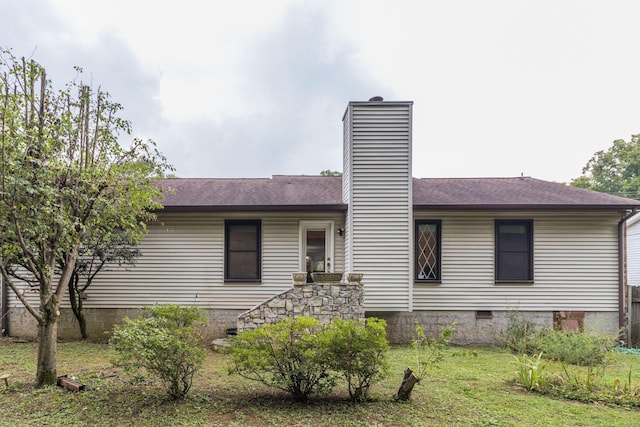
{"type": "Point", "coordinates": [615, 170]}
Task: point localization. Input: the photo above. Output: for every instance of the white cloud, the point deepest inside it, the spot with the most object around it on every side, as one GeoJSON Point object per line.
{"type": "Point", "coordinates": [255, 88]}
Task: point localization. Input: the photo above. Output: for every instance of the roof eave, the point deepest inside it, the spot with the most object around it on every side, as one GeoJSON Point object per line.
{"type": "Point", "coordinates": [256, 208]}
{"type": "Point", "coordinates": [525, 207]}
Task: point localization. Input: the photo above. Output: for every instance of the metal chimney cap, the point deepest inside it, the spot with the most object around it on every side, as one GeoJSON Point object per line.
{"type": "Point", "coordinates": [376, 99]}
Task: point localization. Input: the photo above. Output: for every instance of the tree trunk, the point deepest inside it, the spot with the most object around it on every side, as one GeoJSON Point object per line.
{"type": "Point", "coordinates": [47, 346]}
{"type": "Point", "coordinates": [82, 322]}
{"type": "Point", "coordinates": [406, 387]}
{"type": "Point", "coordinates": [75, 297]}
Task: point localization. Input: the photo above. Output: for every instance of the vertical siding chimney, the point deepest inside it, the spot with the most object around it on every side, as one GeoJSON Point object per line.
{"type": "Point", "coordinates": [377, 187]}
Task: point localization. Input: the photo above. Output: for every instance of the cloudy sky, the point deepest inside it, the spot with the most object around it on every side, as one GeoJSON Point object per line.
{"type": "Point", "coordinates": [254, 88]}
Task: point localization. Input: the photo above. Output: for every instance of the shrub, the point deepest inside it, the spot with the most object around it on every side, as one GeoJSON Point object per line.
{"type": "Point", "coordinates": [166, 340]}
{"type": "Point", "coordinates": [357, 351]}
{"type": "Point", "coordinates": [576, 348]}
{"type": "Point", "coordinates": [285, 355]}
{"type": "Point", "coordinates": [521, 335]}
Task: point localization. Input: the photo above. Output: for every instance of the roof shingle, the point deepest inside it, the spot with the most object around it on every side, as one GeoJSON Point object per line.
{"type": "Point", "coordinates": [283, 192]}
{"type": "Point", "coordinates": [279, 192]}
{"type": "Point", "coordinates": [510, 193]}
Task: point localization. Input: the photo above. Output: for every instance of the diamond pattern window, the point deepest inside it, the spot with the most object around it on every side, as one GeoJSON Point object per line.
{"type": "Point", "coordinates": [427, 250]}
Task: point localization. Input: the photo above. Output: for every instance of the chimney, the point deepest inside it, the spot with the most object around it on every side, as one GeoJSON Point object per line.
{"type": "Point", "coordinates": [377, 187]}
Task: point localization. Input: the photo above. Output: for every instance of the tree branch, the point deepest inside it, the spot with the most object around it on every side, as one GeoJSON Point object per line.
{"type": "Point", "coordinates": [19, 294]}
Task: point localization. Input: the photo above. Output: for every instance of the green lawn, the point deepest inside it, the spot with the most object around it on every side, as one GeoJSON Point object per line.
{"type": "Point", "coordinates": [471, 388]}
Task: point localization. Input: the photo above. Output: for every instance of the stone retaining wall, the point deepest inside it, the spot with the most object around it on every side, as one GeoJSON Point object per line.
{"type": "Point", "coordinates": [322, 300]}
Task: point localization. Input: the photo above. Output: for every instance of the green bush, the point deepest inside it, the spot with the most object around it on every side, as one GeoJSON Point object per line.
{"type": "Point", "coordinates": [521, 335]}
{"type": "Point", "coordinates": [576, 348]}
{"type": "Point", "coordinates": [287, 355]}
{"type": "Point", "coordinates": [358, 351]}
{"type": "Point", "coordinates": [166, 341]}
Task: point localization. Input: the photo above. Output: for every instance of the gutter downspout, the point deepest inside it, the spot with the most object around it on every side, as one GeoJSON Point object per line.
{"type": "Point", "coordinates": [4, 312]}
{"type": "Point", "coordinates": [622, 260]}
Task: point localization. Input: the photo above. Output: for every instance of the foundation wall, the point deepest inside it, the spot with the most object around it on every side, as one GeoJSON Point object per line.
{"type": "Point", "coordinates": [470, 329]}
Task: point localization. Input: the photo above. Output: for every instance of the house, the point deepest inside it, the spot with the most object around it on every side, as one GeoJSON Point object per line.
{"type": "Point", "coordinates": [633, 280]}
{"type": "Point", "coordinates": [633, 251]}
{"type": "Point", "coordinates": [469, 250]}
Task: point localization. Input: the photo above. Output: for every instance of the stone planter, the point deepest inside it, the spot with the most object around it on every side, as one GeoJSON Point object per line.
{"type": "Point", "coordinates": [299, 278]}
{"type": "Point", "coordinates": [326, 277]}
{"type": "Point", "coordinates": [355, 277]}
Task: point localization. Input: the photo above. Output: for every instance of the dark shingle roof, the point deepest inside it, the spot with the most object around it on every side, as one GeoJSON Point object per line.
{"type": "Point", "coordinates": [278, 193]}
{"type": "Point", "coordinates": [284, 192]}
{"type": "Point", "coordinates": [510, 193]}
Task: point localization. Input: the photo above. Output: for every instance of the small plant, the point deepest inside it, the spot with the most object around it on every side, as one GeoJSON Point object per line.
{"type": "Point", "coordinates": [586, 384]}
{"type": "Point", "coordinates": [521, 335]}
{"type": "Point", "coordinates": [357, 351]}
{"type": "Point", "coordinates": [165, 341]}
{"type": "Point", "coordinates": [429, 353]}
{"type": "Point", "coordinates": [530, 371]}
{"type": "Point", "coordinates": [285, 355]}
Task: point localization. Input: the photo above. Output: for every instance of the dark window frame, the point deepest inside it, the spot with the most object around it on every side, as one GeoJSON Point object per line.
{"type": "Point", "coordinates": [228, 224]}
{"type": "Point", "coordinates": [416, 236]}
{"type": "Point", "coordinates": [500, 278]}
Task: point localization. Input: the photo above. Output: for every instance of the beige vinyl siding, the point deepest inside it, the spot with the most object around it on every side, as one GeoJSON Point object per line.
{"type": "Point", "coordinates": [347, 189]}
{"type": "Point", "coordinates": [633, 251]}
{"type": "Point", "coordinates": [182, 262]}
{"type": "Point", "coordinates": [575, 264]}
{"type": "Point", "coordinates": [380, 202]}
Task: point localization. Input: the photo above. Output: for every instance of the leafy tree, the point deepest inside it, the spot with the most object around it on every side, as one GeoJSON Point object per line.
{"type": "Point", "coordinates": [94, 255]}
{"type": "Point", "coordinates": [614, 171]}
{"type": "Point", "coordinates": [64, 176]}
{"type": "Point", "coordinates": [329, 172]}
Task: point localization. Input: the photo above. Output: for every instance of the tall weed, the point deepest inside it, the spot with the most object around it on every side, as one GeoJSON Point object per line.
{"type": "Point", "coordinates": [520, 335]}
{"type": "Point", "coordinates": [530, 371]}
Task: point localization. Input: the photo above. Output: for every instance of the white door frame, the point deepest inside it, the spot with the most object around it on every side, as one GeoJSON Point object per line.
{"type": "Point", "coordinates": [329, 228]}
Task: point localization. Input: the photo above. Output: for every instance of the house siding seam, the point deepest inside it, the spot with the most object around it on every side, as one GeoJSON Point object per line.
{"type": "Point", "coordinates": [581, 274]}
{"type": "Point", "coordinates": [379, 178]}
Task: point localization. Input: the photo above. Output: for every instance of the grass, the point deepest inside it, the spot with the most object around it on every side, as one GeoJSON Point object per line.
{"type": "Point", "coordinates": [472, 387]}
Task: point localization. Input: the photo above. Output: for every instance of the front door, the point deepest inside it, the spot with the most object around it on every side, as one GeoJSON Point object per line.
{"type": "Point", "coordinates": [316, 253]}
{"type": "Point", "coordinates": [317, 247]}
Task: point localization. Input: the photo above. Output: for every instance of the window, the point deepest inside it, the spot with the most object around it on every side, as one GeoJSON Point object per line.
{"type": "Point", "coordinates": [514, 250]}
{"type": "Point", "coordinates": [242, 250]}
{"type": "Point", "coordinates": [427, 251]}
